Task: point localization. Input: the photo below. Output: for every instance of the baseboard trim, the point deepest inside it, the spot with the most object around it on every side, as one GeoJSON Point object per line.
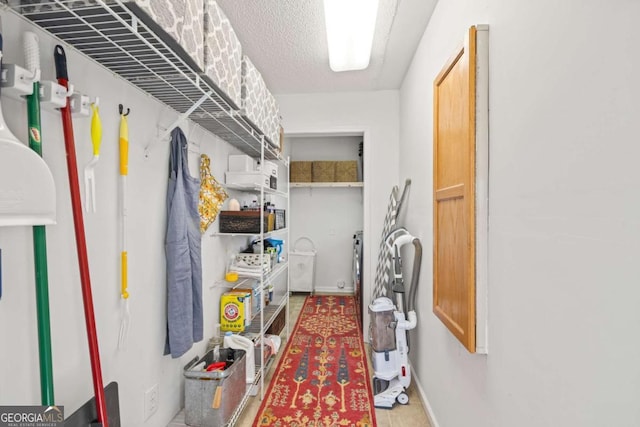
{"type": "Point", "coordinates": [423, 397]}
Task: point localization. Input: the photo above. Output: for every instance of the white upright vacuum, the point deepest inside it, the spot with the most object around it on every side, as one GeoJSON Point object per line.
{"type": "Point", "coordinates": [390, 321]}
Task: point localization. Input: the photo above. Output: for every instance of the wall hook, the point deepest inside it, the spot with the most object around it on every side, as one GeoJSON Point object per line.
{"type": "Point", "coordinates": [121, 109]}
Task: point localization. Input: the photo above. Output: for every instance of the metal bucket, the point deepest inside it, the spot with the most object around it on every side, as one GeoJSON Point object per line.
{"type": "Point", "coordinates": [205, 403]}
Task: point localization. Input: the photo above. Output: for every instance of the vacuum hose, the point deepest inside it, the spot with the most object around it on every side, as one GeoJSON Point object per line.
{"type": "Point", "coordinates": [415, 275]}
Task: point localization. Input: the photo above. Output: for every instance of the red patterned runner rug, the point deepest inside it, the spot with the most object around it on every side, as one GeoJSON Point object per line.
{"type": "Point", "coordinates": [322, 379]}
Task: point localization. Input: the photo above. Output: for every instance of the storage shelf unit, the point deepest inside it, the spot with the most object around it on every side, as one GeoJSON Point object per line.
{"type": "Point", "coordinates": [114, 37]}
{"type": "Point", "coordinates": [261, 322]}
{"type": "Point", "coordinates": [243, 280]}
{"type": "Point", "coordinates": [252, 188]}
{"type": "Point", "coordinates": [265, 235]}
{"type": "Point", "coordinates": [269, 314]}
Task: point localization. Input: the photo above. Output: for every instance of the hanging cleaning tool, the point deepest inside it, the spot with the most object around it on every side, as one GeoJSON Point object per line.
{"type": "Point", "coordinates": [89, 175]}
{"type": "Point", "coordinates": [124, 170]}
{"type": "Point", "coordinates": [32, 62]}
{"type": "Point", "coordinates": [81, 246]}
{"type": "Point", "coordinates": [28, 195]}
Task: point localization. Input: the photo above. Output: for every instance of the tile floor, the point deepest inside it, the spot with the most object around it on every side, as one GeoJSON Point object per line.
{"type": "Point", "coordinates": [411, 415]}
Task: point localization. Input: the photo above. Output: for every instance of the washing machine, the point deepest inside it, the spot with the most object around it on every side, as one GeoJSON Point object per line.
{"type": "Point", "coordinates": [357, 273]}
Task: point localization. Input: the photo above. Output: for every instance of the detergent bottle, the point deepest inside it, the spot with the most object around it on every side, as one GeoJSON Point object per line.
{"type": "Point", "coordinates": [239, 342]}
{"type": "Point", "coordinates": [277, 243]}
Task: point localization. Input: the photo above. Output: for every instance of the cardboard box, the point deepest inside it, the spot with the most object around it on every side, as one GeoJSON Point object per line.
{"type": "Point", "coordinates": [256, 295]}
{"type": "Point", "coordinates": [235, 311]}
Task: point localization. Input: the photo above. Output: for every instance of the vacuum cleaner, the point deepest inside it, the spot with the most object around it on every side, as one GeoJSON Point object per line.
{"type": "Point", "coordinates": [390, 321]}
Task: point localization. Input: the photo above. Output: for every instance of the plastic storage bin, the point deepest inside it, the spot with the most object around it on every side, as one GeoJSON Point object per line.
{"type": "Point", "coordinates": [211, 398]}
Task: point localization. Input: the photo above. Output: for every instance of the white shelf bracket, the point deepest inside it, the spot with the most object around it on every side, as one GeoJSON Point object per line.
{"type": "Point", "coordinates": [17, 81]}
{"type": "Point", "coordinates": [134, 23]}
{"type": "Point", "coordinates": [184, 116]}
{"type": "Point", "coordinates": [52, 95]}
{"type": "Point", "coordinates": [80, 104]}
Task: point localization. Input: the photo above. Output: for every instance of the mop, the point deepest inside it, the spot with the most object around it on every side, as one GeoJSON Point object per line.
{"type": "Point", "coordinates": [124, 170]}
{"type": "Point", "coordinates": [32, 62]}
{"type": "Point", "coordinates": [81, 246]}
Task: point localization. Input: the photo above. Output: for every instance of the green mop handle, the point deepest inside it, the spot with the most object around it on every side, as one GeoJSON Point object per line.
{"type": "Point", "coordinates": [32, 62]}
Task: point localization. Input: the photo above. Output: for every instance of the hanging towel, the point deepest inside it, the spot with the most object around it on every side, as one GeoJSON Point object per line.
{"type": "Point", "coordinates": [183, 252]}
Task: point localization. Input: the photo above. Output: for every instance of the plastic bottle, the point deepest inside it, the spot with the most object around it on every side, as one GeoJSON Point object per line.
{"type": "Point", "coordinates": [239, 342]}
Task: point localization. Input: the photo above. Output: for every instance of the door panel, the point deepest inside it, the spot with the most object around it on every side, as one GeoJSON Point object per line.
{"type": "Point", "coordinates": [454, 194]}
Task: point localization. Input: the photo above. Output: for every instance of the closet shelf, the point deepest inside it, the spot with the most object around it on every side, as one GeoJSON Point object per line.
{"type": "Point", "coordinates": [115, 38]}
{"type": "Point", "coordinates": [326, 184]}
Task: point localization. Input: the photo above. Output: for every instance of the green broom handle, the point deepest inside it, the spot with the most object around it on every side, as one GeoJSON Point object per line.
{"type": "Point", "coordinates": [32, 61]}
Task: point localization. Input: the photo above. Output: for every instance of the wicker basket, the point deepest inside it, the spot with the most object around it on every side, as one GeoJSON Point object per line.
{"type": "Point", "coordinates": [347, 171]}
{"type": "Point", "coordinates": [324, 171]}
{"type": "Point", "coordinates": [300, 171]}
{"type": "Point", "coordinates": [245, 222]}
{"type": "Point", "coordinates": [278, 323]}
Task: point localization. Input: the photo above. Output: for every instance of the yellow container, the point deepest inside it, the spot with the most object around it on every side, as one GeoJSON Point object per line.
{"type": "Point", "coordinates": [235, 311]}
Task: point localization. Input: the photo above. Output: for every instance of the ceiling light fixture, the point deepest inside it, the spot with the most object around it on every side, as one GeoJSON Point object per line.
{"type": "Point", "coordinates": [350, 27]}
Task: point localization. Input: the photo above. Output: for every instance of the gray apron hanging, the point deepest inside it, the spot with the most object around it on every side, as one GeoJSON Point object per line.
{"type": "Point", "coordinates": [183, 252]}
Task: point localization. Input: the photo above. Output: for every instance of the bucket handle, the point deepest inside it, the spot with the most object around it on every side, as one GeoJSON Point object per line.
{"type": "Point", "coordinates": [295, 244]}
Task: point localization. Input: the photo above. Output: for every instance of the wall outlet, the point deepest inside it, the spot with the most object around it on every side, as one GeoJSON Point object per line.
{"type": "Point", "coordinates": [341, 284]}
{"type": "Point", "coordinates": [151, 401]}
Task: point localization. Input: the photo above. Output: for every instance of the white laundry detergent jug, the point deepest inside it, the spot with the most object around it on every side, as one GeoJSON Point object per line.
{"type": "Point", "coordinates": [239, 342]}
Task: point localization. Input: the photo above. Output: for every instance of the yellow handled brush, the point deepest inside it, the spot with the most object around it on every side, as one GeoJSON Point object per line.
{"type": "Point", "coordinates": [124, 170]}
{"type": "Point", "coordinates": [89, 174]}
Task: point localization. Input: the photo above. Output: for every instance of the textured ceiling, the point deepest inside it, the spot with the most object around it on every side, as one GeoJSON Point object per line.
{"type": "Point", "coordinates": [286, 40]}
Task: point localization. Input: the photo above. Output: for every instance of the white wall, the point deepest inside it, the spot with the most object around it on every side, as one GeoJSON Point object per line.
{"type": "Point", "coordinates": [142, 364]}
{"type": "Point", "coordinates": [564, 228]}
{"type": "Point", "coordinates": [375, 113]}
{"type": "Point", "coordinates": [328, 216]}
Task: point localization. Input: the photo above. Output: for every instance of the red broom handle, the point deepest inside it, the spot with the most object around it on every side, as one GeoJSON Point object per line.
{"type": "Point", "coordinates": [81, 245]}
